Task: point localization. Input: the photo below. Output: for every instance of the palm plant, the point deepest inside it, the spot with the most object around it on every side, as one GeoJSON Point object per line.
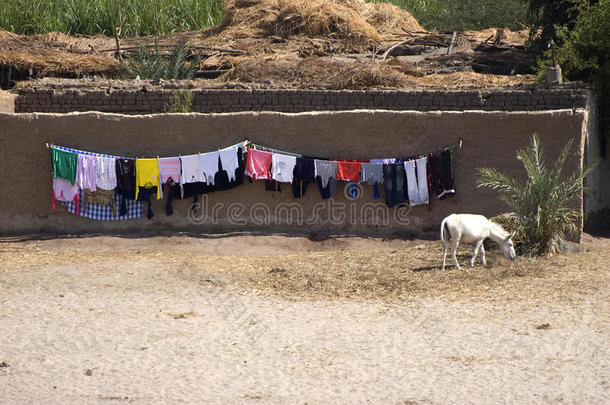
{"type": "Point", "coordinates": [152, 65]}
{"type": "Point", "coordinates": [541, 205]}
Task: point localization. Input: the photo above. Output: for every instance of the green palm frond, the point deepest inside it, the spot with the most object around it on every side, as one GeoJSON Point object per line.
{"type": "Point", "coordinates": [541, 202]}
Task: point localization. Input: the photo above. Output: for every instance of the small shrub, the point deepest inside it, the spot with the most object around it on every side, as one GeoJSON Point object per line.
{"type": "Point", "coordinates": [541, 204]}
{"type": "Point", "coordinates": [180, 101]}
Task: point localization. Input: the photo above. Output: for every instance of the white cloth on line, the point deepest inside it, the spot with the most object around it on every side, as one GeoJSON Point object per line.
{"type": "Point", "coordinates": [412, 189]}
{"type": "Point", "coordinates": [106, 173]}
{"type": "Point", "coordinates": [86, 172]}
{"type": "Point", "coordinates": [422, 180]}
{"type": "Point", "coordinates": [209, 165]}
{"type": "Point", "coordinates": [229, 161]}
{"type": "Point", "coordinates": [282, 167]}
{"type": "Point", "coordinates": [191, 170]}
{"type": "Point", "coordinates": [383, 161]}
{"type": "Point", "coordinates": [417, 183]}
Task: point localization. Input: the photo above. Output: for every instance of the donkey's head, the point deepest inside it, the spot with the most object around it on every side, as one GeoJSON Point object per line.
{"type": "Point", "coordinates": [507, 247]}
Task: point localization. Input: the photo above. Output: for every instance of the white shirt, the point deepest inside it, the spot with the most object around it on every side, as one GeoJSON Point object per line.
{"type": "Point", "coordinates": [282, 167]}
{"type": "Point", "coordinates": [191, 169]}
{"type": "Point", "coordinates": [106, 173]}
{"type": "Point", "coordinates": [209, 165]}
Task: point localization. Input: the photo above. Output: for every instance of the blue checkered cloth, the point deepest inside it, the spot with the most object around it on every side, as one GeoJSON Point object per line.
{"type": "Point", "coordinates": [135, 209]}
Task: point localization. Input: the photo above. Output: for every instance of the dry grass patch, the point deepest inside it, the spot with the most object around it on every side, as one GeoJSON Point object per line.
{"type": "Point", "coordinates": [352, 273]}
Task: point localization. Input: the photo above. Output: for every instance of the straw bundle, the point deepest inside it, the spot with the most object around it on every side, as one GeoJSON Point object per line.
{"type": "Point", "coordinates": [389, 19]}
{"type": "Point", "coordinates": [40, 62]}
{"type": "Point", "coordinates": [327, 73]}
{"type": "Point", "coordinates": [470, 79]}
{"type": "Point", "coordinates": [340, 18]}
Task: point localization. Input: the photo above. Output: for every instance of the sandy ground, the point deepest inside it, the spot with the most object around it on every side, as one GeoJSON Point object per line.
{"type": "Point", "coordinates": [273, 319]}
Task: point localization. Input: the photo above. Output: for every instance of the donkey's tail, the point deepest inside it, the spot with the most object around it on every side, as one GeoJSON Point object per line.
{"type": "Point", "coordinates": [443, 227]}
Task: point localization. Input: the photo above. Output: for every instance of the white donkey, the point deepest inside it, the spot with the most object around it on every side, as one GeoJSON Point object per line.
{"type": "Point", "coordinates": [474, 228]}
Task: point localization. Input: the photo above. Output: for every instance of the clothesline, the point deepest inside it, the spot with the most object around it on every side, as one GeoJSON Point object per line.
{"type": "Point", "coordinates": [248, 144]}
{"type": "Point", "coordinates": [254, 146]}
{"type": "Point", "coordinates": [125, 182]}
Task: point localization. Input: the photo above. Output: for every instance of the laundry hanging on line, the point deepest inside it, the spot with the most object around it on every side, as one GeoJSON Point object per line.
{"type": "Point", "coordinates": [414, 181]}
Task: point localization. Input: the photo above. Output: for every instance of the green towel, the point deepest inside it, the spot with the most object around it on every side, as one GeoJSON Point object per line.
{"type": "Point", "coordinates": [64, 164]}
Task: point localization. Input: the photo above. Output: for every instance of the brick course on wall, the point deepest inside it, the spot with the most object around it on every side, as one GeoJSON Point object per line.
{"type": "Point", "coordinates": [149, 99]}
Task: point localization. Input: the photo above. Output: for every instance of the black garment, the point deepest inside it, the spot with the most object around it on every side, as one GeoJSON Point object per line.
{"type": "Point", "coordinates": [126, 174]}
{"type": "Point", "coordinates": [401, 162]}
{"type": "Point", "coordinates": [195, 190]}
{"type": "Point", "coordinates": [394, 178]}
{"type": "Point", "coordinates": [221, 179]}
{"type": "Point", "coordinates": [126, 181]}
{"type": "Point", "coordinates": [303, 174]}
{"type": "Point", "coordinates": [273, 185]}
{"type": "Point", "coordinates": [330, 191]}
{"type": "Point", "coordinates": [144, 194]}
{"type": "Point", "coordinates": [171, 191]}
{"type": "Point", "coordinates": [442, 174]}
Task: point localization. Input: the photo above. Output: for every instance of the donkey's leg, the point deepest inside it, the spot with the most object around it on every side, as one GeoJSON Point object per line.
{"type": "Point", "coordinates": [445, 246]}
{"type": "Point", "coordinates": [454, 246]}
{"type": "Point", "coordinates": [483, 254]}
{"type": "Point", "coordinates": [476, 251]}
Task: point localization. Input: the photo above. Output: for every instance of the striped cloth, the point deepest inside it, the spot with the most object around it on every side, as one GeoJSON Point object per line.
{"type": "Point", "coordinates": [169, 168]}
{"type": "Point", "coordinates": [83, 152]}
{"type": "Point", "coordinates": [104, 212]}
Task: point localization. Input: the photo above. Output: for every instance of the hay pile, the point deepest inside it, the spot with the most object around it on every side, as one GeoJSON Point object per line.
{"type": "Point", "coordinates": [315, 72]}
{"type": "Point", "coordinates": [51, 54]}
{"type": "Point", "coordinates": [469, 80]}
{"type": "Point", "coordinates": [389, 19]}
{"type": "Point", "coordinates": [346, 19]}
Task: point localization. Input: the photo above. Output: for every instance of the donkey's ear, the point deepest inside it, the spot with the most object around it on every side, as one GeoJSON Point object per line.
{"type": "Point", "coordinates": [509, 237]}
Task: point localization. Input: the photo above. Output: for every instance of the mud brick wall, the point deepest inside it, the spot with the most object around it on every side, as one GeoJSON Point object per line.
{"type": "Point", "coordinates": [490, 139]}
{"type": "Point", "coordinates": [150, 99]}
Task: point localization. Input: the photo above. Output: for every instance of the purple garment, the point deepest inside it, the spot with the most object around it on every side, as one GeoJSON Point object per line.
{"type": "Point", "coordinates": [86, 172]}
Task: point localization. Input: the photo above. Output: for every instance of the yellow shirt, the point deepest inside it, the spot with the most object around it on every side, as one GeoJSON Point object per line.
{"type": "Point", "coordinates": [147, 175]}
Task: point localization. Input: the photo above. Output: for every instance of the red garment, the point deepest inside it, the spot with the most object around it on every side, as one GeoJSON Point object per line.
{"type": "Point", "coordinates": [258, 164]}
{"type": "Point", "coordinates": [349, 170]}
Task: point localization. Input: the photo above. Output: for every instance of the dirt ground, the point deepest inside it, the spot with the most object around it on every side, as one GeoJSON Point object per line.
{"type": "Point", "coordinates": [282, 319]}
